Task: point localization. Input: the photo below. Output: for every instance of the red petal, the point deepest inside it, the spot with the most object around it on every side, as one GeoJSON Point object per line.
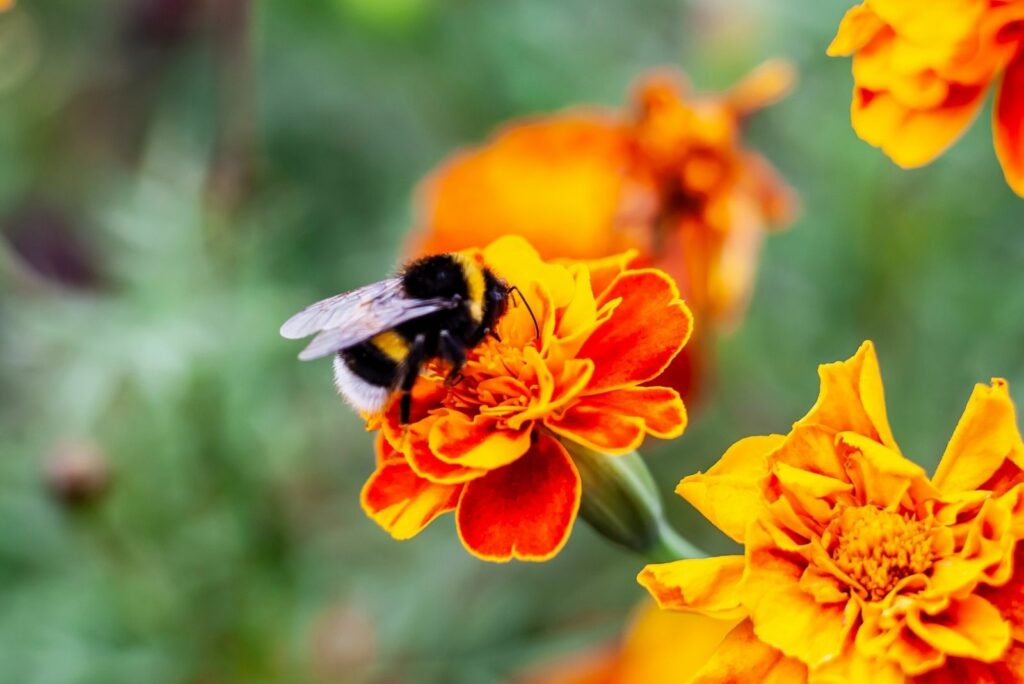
{"type": "Point", "coordinates": [1008, 124]}
{"type": "Point", "coordinates": [661, 408]}
{"type": "Point", "coordinates": [524, 510]}
{"type": "Point", "coordinates": [647, 329]}
{"type": "Point", "coordinates": [599, 430]}
{"type": "Point", "coordinates": [402, 502]}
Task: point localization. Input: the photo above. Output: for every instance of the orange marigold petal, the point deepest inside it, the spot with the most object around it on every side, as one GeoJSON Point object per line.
{"type": "Point", "coordinates": [852, 398]}
{"type": "Point", "coordinates": [627, 349]}
{"type": "Point", "coordinates": [858, 27]}
{"type": "Point", "coordinates": [651, 651]}
{"type": "Point", "coordinates": [912, 137]}
{"type": "Point", "coordinates": [555, 181]}
{"type": "Point", "coordinates": [882, 476]}
{"type": "Point", "coordinates": [970, 628]}
{"type": "Point", "coordinates": [783, 614]}
{"type": "Point", "coordinates": [425, 463]}
{"type": "Point", "coordinates": [402, 502]}
{"type": "Point", "coordinates": [1009, 670]}
{"type": "Point", "coordinates": [524, 510]}
{"type": "Point", "coordinates": [598, 430]}
{"type": "Point", "coordinates": [766, 84]}
{"type": "Point", "coordinates": [660, 408]}
{"type": "Point", "coordinates": [852, 666]}
{"type": "Point", "coordinates": [1008, 124]}
{"type": "Point", "coordinates": [730, 493]}
{"type": "Point", "coordinates": [476, 442]}
{"type": "Point", "coordinates": [1009, 598]}
{"type": "Point", "coordinates": [984, 440]}
{"type": "Point", "coordinates": [605, 270]}
{"type": "Point", "coordinates": [706, 585]}
{"type": "Point", "coordinates": [742, 657]}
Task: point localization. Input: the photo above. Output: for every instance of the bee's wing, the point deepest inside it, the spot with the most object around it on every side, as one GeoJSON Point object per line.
{"type": "Point", "coordinates": [349, 318]}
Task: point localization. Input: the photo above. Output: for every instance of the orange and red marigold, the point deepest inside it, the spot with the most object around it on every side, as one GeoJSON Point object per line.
{"type": "Point", "coordinates": [669, 177]}
{"type": "Point", "coordinates": [921, 71]}
{"type": "Point", "coordinates": [489, 446]}
{"type": "Point", "coordinates": [857, 566]}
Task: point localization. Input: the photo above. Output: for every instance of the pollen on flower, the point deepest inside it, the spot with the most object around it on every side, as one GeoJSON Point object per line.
{"type": "Point", "coordinates": [878, 548]}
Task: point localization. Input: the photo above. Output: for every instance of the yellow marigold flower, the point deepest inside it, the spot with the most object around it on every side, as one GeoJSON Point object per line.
{"type": "Point", "coordinates": [858, 566]}
{"type": "Point", "coordinates": [6, 5]}
{"type": "Point", "coordinates": [490, 445]}
{"type": "Point", "coordinates": [668, 177]}
{"type": "Point", "coordinates": [649, 653]}
{"type": "Point", "coordinates": [921, 69]}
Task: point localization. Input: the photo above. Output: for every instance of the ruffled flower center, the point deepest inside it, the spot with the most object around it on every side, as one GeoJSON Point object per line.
{"type": "Point", "coordinates": [878, 548]}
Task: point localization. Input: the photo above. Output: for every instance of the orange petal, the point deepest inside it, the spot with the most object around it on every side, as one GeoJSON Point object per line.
{"type": "Point", "coordinates": [628, 349]}
{"type": "Point", "coordinates": [1008, 124]}
{"type": "Point", "coordinates": [651, 650]}
{"type": "Point", "coordinates": [554, 181]}
{"type": "Point", "coordinates": [425, 463]}
{"type": "Point", "coordinates": [1009, 670]}
{"type": "Point", "coordinates": [731, 493]}
{"type": "Point", "coordinates": [852, 666]}
{"type": "Point", "coordinates": [768, 83]}
{"type": "Point", "coordinates": [984, 440]}
{"type": "Point", "coordinates": [1009, 598]}
{"type": "Point", "coordinates": [384, 452]}
{"type": "Point", "coordinates": [742, 657]}
{"type": "Point", "coordinates": [476, 443]}
{"type": "Point", "coordinates": [403, 503]}
{"type": "Point", "coordinates": [598, 430]}
{"type": "Point", "coordinates": [604, 271]}
{"type": "Point", "coordinates": [970, 628]}
{"type": "Point", "coordinates": [524, 510]}
{"type": "Point", "coordinates": [783, 614]}
{"type": "Point", "coordinates": [852, 398]}
{"type": "Point", "coordinates": [706, 585]}
{"type": "Point", "coordinates": [660, 408]}
{"type": "Point", "coordinates": [858, 27]}
{"type": "Point", "coordinates": [882, 476]}
{"type": "Point", "coordinates": [914, 137]}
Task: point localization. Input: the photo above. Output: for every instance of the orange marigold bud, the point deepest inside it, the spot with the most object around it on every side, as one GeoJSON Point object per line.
{"type": "Point", "coordinates": [858, 567]}
{"type": "Point", "coordinates": [921, 71]}
{"type": "Point", "coordinates": [668, 177]}
{"type": "Point", "coordinates": [490, 445]}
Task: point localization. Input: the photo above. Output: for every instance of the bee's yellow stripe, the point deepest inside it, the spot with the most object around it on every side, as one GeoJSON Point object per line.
{"type": "Point", "coordinates": [475, 284]}
{"type": "Point", "coordinates": [393, 345]}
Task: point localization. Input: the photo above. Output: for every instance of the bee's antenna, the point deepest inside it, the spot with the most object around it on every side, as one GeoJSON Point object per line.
{"type": "Point", "coordinates": [533, 317]}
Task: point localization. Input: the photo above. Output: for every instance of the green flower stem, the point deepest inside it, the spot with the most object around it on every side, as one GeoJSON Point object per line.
{"type": "Point", "coordinates": [621, 502]}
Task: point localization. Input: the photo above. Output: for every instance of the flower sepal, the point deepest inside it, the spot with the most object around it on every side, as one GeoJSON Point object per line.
{"type": "Point", "coordinates": [621, 503]}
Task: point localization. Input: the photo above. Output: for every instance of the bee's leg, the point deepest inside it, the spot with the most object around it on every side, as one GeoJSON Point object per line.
{"type": "Point", "coordinates": [411, 371]}
{"type": "Point", "coordinates": [494, 333]}
{"type": "Point", "coordinates": [454, 352]}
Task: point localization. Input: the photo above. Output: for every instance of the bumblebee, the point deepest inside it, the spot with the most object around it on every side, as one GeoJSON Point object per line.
{"type": "Point", "coordinates": [438, 307]}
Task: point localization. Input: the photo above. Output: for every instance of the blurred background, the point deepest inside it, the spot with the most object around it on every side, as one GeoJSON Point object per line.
{"type": "Point", "coordinates": [179, 496]}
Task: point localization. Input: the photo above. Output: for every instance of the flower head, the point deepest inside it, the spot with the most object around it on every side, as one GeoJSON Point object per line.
{"type": "Point", "coordinates": [856, 562]}
{"type": "Point", "coordinates": [669, 177]}
{"type": "Point", "coordinates": [921, 71]}
{"type": "Point", "coordinates": [488, 446]}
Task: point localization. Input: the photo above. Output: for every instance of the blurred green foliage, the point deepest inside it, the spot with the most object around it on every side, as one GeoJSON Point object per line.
{"type": "Point", "coordinates": [177, 176]}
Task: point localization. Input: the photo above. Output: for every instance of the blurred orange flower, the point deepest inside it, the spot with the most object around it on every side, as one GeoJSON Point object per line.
{"type": "Point", "coordinates": [921, 70]}
{"type": "Point", "coordinates": [659, 646]}
{"type": "Point", "coordinates": [669, 178]}
{"type": "Point", "coordinates": [6, 4]}
{"type": "Point", "coordinates": [488, 446]}
{"type": "Point", "coordinates": [858, 566]}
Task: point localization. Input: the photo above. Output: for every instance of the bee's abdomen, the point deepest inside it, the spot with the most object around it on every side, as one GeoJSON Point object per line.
{"type": "Point", "coordinates": [365, 376]}
{"type": "Point", "coordinates": [371, 364]}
